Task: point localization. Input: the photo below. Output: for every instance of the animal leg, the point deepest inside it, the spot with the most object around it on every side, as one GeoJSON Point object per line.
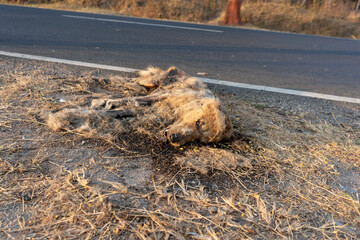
{"type": "Point", "coordinates": [118, 113]}
{"type": "Point", "coordinates": [148, 100]}
{"type": "Point", "coordinates": [113, 104]}
{"type": "Point", "coordinates": [120, 82]}
{"type": "Point", "coordinates": [80, 120]}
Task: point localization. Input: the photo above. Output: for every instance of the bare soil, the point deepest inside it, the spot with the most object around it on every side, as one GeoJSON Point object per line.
{"type": "Point", "coordinates": [301, 180]}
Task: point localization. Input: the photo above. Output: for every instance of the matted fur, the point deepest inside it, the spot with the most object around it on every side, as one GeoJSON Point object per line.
{"type": "Point", "coordinates": [171, 103]}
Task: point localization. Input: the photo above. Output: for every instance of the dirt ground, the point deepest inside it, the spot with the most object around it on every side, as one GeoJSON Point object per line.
{"type": "Point", "coordinates": [285, 174]}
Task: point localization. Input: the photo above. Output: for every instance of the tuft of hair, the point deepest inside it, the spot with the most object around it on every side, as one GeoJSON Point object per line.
{"type": "Point", "coordinates": [149, 71]}
{"type": "Point", "coordinates": [62, 120]}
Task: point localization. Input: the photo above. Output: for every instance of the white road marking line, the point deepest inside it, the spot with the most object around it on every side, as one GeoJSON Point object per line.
{"type": "Point", "coordinates": [206, 80]}
{"type": "Point", "coordinates": [69, 62]}
{"type": "Point", "coordinates": [282, 90]}
{"type": "Point", "coordinates": [143, 23]}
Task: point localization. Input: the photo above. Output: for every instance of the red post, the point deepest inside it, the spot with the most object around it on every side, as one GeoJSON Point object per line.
{"type": "Point", "coordinates": [232, 14]}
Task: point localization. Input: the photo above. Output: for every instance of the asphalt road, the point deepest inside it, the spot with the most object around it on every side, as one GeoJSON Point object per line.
{"type": "Point", "coordinates": [301, 62]}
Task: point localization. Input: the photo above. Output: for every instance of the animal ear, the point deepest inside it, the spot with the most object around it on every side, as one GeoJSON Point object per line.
{"type": "Point", "coordinates": [221, 121]}
{"type": "Point", "coordinates": [211, 105]}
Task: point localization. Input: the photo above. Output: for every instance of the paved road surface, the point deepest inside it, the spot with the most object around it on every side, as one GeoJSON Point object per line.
{"type": "Point", "coordinates": [301, 62]}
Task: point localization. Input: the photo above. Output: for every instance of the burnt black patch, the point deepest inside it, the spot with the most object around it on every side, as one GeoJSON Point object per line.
{"type": "Point", "coordinates": [161, 153]}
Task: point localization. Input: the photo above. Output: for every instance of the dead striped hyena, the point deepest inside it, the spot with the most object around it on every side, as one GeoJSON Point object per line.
{"type": "Point", "coordinates": [184, 102]}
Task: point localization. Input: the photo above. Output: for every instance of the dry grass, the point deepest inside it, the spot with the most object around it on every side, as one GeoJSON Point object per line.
{"type": "Point", "coordinates": [330, 18]}
{"type": "Point", "coordinates": [278, 178]}
{"type": "Point", "coordinates": [339, 20]}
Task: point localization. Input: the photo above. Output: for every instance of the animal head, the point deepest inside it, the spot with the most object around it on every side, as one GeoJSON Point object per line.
{"type": "Point", "coordinates": [209, 123]}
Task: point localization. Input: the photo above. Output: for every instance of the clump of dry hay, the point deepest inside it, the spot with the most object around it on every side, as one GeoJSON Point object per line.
{"type": "Point", "coordinates": [78, 186]}
{"type": "Point", "coordinates": [205, 159]}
